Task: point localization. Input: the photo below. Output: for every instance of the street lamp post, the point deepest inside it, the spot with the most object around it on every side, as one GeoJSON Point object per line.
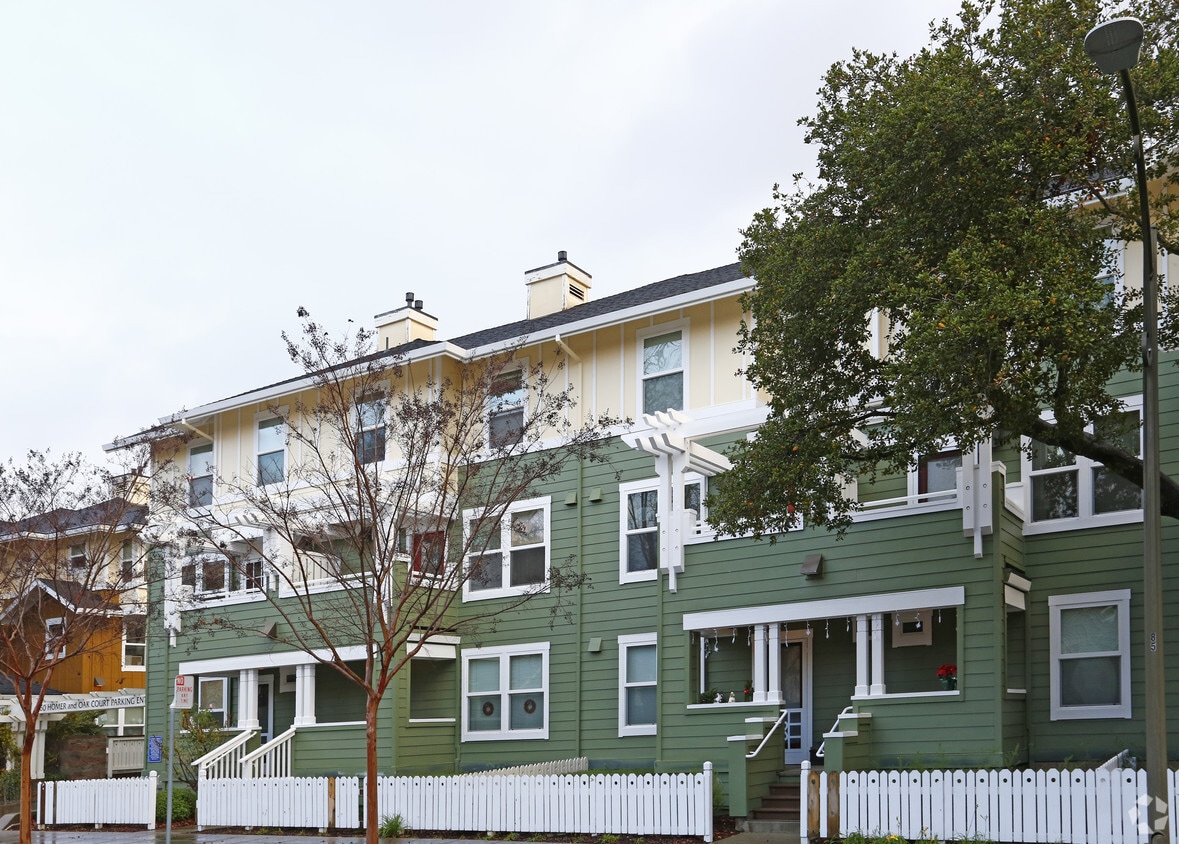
{"type": "Point", "coordinates": [1114, 47]}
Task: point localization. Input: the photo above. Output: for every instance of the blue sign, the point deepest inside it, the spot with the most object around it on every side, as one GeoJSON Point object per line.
{"type": "Point", "coordinates": [155, 748]}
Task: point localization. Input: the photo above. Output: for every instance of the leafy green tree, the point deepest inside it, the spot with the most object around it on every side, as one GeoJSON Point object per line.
{"type": "Point", "coordinates": [963, 200]}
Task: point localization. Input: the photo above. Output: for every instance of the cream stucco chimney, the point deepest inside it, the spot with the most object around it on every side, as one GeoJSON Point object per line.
{"type": "Point", "coordinates": [404, 325]}
{"type": "Point", "coordinates": [556, 287]}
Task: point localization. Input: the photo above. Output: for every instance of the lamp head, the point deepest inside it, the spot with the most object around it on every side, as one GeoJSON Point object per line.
{"type": "Point", "coordinates": [1114, 45]}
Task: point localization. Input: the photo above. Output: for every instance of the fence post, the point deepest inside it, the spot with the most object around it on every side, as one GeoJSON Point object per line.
{"type": "Point", "coordinates": [804, 783]}
{"type": "Point", "coordinates": [153, 779]}
{"type": "Point", "coordinates": [707, 802]}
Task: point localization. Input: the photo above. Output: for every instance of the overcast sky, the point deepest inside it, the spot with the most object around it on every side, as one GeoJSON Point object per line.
{"type": "Point", "coordinates": [177, 178]}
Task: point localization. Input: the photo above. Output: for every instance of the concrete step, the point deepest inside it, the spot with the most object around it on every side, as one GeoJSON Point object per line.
{"type": "Point", "coordinates": [789, 830]}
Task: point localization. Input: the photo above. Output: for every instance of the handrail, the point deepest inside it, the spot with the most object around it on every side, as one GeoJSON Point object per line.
{"type": "Point", "coordinates": [822, 751]}
{"type": "Point", "coordinates": [219, 756]}
{"type": "Point", "coordinates": [272, 759]}
{"type": "Point", "coordinates": [769, 733]}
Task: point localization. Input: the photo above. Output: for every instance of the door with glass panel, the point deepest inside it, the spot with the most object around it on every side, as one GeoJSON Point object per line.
{"type": "Point", "coordinates": [796, 696]}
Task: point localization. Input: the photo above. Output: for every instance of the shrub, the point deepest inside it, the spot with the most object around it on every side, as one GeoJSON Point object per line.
{"type": "Point", "coordinates": [183, 805]}
{"type": "Point", "coordinates": [391, 827]}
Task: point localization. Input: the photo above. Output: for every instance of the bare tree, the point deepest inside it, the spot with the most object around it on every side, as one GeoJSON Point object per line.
{"type": "Point", "coordinates": [403, 494]}
{"type": "Point", "coordinates": [68, 578]}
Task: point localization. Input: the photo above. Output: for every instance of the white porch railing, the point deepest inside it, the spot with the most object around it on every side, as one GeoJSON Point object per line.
{"type": "Point", "coordinates": [651, 804]}
{"type": "Point", "coordinates": [272, 759]}
{"type": "Point", "coordinates": [224, 760]}
{"type": "Point", "coordinates": [1072, 807]}
{"type": "Point", "coordinates": [118, 801]}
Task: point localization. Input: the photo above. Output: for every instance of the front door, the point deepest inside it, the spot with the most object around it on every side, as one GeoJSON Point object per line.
{"type": "Point", "coordinates": [796, 696]}
{"type": "Point", "coordinates": [265, 708]}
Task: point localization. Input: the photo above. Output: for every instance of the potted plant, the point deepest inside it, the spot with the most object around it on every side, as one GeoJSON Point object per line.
{"type": "Point", "coordinates": [948, 675]}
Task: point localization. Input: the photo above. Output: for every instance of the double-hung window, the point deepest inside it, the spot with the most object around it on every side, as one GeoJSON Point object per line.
{"type": "Point", "coordinates": [662, 374]}
{"type": "Point", "coordinates": [637, 685]}
{"type": "Point", "coordinates": [272, 450]}
{"type": "Point", "coordinates": [1089, 638]}
{"type": "Point", "coordinates": [505, 408]}
{"type": "Point", "coordinates": [509, 556]}
{"type": "Point", "coordinates": [77, 558]}
{"type": "Point", "coordinates": [200, 475]}
{"type": "Point", "coordinates": [370, 429]}
{"type": "Point", "coordinates": [127, 561]}
{"type": "Point", "coordinates": [505, 692]}
{"type": "Point", "coordinates": [1066, 490]}
{"type": "Point", "coordinates": [134, 641]}
{"type": "Point", "coordinates": [639, 525]}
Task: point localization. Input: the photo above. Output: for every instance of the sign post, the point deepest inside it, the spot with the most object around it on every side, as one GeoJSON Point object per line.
{"type": "Point", "coordinates": [181, 700]}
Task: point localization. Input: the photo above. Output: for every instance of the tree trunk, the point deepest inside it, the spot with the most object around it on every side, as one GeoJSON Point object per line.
{"type": "Point", "coordinates": [26, 784]}
{"type": "Point", "coordinates": [373, 824]}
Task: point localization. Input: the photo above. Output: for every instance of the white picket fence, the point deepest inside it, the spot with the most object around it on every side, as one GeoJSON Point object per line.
{"type": "Point", "coordinates": [650, 804]}
{"type": "Point", "coordinates": [1070, 807]}
{"type": "Point", "coordinates": [97, 802]}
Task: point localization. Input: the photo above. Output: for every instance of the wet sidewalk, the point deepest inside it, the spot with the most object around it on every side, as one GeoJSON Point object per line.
{"type": "Point", "coordinates": [188, 835]}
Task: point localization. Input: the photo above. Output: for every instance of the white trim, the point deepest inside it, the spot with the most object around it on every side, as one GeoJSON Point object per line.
{"type": "Point", "coordinates": [946, 596]}
{"type": "Point", "coordinates": [503, 654]}
{"type": "Point", "coordinates": [680, 326]}
{"type": "Point", "coordinates": [625, 490]}
{"type": "Point", "coordinates": [518, 365]}
{"type": "Point", "coordinates": [279, 414]}
{"type": "Point", "coordinates": [275, 660]}
{"type": "Point", "coordinates": [1119, 598]}
{"type": "Point", "coordinates": [208, 471]}
{"type": "Point", "coordinates": [224, 710]}
{"type": "Point", "coordinates": [381, 393]}
{"type": "Point", "coordinates": [625, 643]}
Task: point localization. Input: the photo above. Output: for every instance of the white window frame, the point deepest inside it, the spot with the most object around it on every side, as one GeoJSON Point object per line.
{"type": "Point", "coordinates": [1084, 468]}
{"type": "Point", "coordinates": [520, 367]}
{"type": "Point", "coordinates": [78, 560]}
{"type": "Point", "coordinates": [641, 336]}
{"type": "Point", "coordinates": [504, 653]}
{"type": "Point", "coordinates": [381, 424]}
{"type": "Point", "coordinates": [625, 643]}
{"type": "Point", "coordinates": [948, 497]}
{"type": "Point", "coordinates": [1114, 597]}
{"type": "Point", "coordinates": [259, 418]}
{"type": "Point", "coordinates": [207, 471]}
{"type": "Point", "coordinates": [55, 631]}
{"type": "Point", "coordinates": [202, 682]}
{"type": "Point", "coordinates": [231, 572]}
{"type": "Point", "coordinates": [415, 544]}
{"type": "Point", "coordinates": [543, 503]}
{"type": "Point", "coordinates": [141, 666]}
{"type": "Point", "coordinates": [127, 561]}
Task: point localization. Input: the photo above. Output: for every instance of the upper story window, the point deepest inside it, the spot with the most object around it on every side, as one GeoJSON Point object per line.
{"type": "Point", "coordinates": [505, 692]}
{"type": "Point", "coordinates": [663, 369]}
{"type": "Point", "coordinates": [505, 408]}
{"type": "Point", "coordinates": [213, 575]}
{"type": "Point", "coordinates": [1066, 490]}
{"type": "Point", "coordinates": [127, 560]}
{"type": "Point", "coordinates": [938, 473]}
{"type": "Point", "coordinates": [428, 553]}
{"type": "Point", "coordinates": [512, 556]}
{"type": "Point", "coordinates": [77, 557]}
{"type": "Point", "coordinates": [639, 525]}
{"type": "Point", "coordinates": [200, 475]}
{"type": "Point", "coordinates": [637, 685]}
{"type": "Point", "coordinates": [55, 638]}
{"type": "Point", "coordinates": [271, 450]}
{"type": "Point", "coordinates": [370, 429]}
{"type": "Point", "coordinates": [134, 641]}
{"type": "Point", "coordinates": [1089, 637]}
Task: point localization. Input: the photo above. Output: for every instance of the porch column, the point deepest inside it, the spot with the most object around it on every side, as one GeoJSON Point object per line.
{"type": "Point", "coordinates": [862, 654]}
{"type": "Point", "coordinates": [247, 699]}
{"type": "Point", "coordinates": [877, 687]}
{"type": "Point", "coordinates": [304, 694]}
{"type": "Point", "coordinates": [774, 640]}
{"type": "Point", "coordinates": [759, 663]}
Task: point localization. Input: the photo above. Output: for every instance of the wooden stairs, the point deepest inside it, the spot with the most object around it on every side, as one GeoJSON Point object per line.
{"type": "Point", "coordinates": [780, 811]}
